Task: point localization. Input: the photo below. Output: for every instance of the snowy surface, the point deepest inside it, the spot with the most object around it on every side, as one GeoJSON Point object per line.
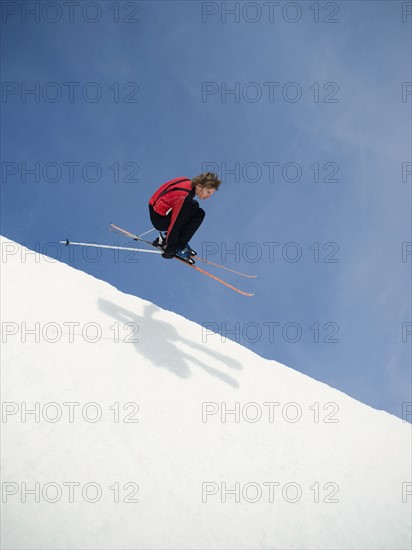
{"type": "Point", "coordinates": [301, 465]}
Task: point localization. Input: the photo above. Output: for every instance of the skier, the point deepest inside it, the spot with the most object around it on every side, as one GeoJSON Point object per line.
{"type": "Point", "coordinates": [173, 209]}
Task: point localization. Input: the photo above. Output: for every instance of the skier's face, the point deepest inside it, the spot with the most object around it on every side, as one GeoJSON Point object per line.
{"type": "Point", "coordinates": [204, 192]}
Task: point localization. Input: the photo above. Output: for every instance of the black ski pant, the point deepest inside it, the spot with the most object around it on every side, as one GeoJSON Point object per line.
{"type": "Point", "coordinates": [186, 224]}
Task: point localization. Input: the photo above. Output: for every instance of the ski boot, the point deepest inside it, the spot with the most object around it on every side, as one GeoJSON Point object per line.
{"type": "Point", "coordinates": [184, 255]}
{"type": "Point", "coordinates": [191, 251]}
{"type": "Point", "coordinates": [160, 241]}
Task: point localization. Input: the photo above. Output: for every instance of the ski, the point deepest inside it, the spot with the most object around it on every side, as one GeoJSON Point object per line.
{"type": "Point", "coordinates": [197, 268]}
{"type": "Point", "coordinates": [221, 281]}
{"type": "Point", "coordinates": [220, 266]}
{"type": "Point", "coordinates": [225, 268]}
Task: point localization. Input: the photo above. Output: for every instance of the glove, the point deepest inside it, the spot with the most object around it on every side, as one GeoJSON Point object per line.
{"type": "Point", "coordinates": [168, 254]}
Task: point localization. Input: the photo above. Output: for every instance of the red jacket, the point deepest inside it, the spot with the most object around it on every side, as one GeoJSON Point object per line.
{"type": "Point", "coordinates": [175, 197]}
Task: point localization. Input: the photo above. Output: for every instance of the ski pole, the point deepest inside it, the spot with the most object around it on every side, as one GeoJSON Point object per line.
{"type": "Point", "coordinates": [67, 243]}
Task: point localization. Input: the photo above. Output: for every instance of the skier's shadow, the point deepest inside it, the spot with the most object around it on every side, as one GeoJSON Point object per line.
{"type": "Point", "coordinates": [159, 342]}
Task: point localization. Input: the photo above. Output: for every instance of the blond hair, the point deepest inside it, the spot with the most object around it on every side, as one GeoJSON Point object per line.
{"type": "Point", "coordinates": [209, 180]}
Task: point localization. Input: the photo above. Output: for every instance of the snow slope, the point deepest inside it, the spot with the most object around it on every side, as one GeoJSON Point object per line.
{"type": "Point", "coordinates": [132, 445]}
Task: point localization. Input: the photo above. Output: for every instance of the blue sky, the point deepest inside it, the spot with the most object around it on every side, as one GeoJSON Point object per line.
{"type": "Point", "coordinates": [163, 58]}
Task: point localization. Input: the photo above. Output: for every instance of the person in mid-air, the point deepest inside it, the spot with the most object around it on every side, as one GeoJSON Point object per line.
{"type": "Point", "coordinates": [173, 209]}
